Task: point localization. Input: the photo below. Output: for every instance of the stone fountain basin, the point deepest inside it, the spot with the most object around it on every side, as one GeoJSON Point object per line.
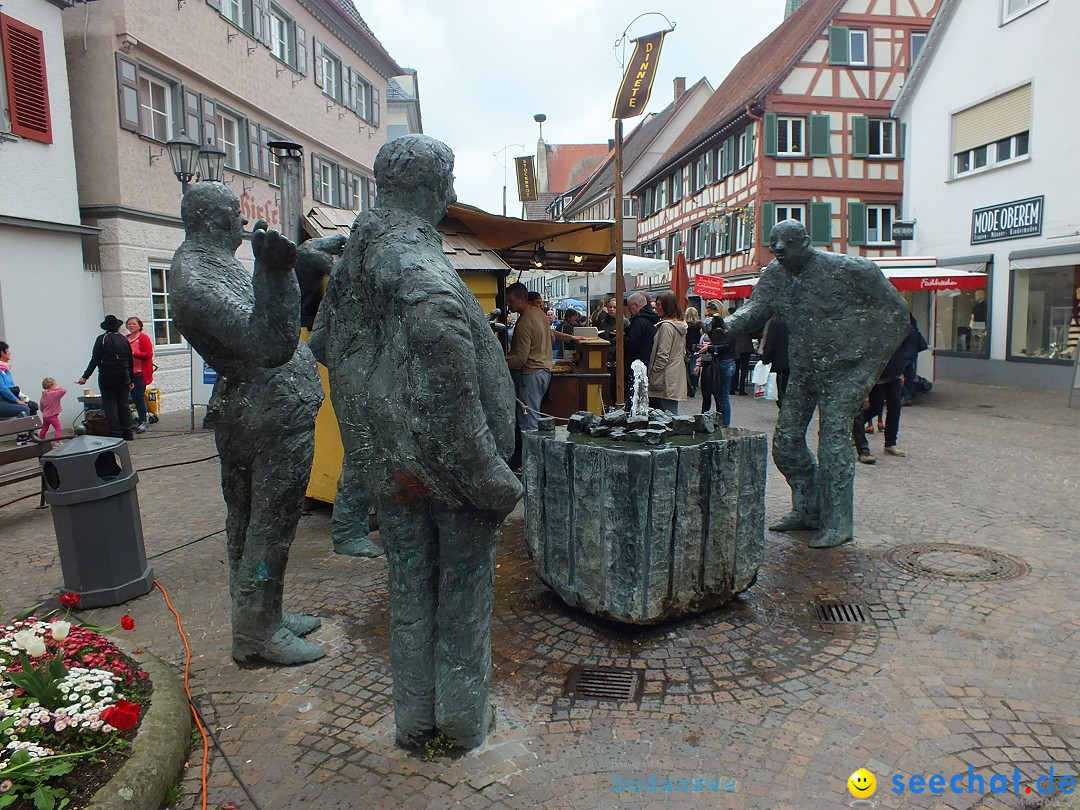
{"type": "Point", "coordinates": [643, 534]}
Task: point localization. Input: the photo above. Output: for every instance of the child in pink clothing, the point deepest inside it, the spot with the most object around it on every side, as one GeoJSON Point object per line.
{"type": "Point", "coordinates": [51, 395]}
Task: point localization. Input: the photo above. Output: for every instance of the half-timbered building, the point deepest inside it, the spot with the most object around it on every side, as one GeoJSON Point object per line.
{"type": "Point", "coordinates": [801, 128]}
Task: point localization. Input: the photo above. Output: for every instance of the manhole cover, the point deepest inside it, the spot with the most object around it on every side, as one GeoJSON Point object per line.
{"type": "Point", "coordinates": [956, 563]}
{"type": "Point", "coordinates": [839, 613]}
{"type": "Point", "coordinates": [603, 683]}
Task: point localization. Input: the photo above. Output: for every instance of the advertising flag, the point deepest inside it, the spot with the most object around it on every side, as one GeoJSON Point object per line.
{"type": "Point", "coordinates": [525, 167]}
{"type": "Point", "coordinates": [638, 80]}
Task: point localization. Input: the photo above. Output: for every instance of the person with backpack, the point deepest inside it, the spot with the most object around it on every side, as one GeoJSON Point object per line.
{"type": "Point", "coordinates": [114, 362]}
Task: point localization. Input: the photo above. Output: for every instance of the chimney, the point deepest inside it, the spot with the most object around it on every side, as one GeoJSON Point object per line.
{"type": "Point", "coordinates": [680, 86]}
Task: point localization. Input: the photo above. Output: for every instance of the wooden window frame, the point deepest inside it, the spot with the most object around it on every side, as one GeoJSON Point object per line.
{"type": "Point", "coordinates": [27, 83]}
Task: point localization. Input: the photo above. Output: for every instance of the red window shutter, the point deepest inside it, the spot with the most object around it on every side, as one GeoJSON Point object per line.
{"type": "Point", "coordinates": [27, 85]}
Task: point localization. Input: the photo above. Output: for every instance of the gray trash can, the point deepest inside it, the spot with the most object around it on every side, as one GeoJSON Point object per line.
{"type": "Point", "coordinates": [90, 485]}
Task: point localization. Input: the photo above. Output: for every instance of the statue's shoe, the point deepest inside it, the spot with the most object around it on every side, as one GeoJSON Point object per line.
{"type": "Point", "coordinates": [358, 547]}
{"type": "Point", "coordinates": [281, 648]}
{"type": "Point", "coordinates": [795, 522]}
{"type": "Point", "coordinates": [828, 538]}
{"type": "Point", "coordinates": [300, 624]}
{"type": "Point", "coordinates": [467, 741]}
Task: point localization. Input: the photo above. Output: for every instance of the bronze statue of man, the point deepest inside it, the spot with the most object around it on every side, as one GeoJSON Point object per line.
{"type": "Point", "coordinates": [845, 320]}
{"type": "Point", "coordinates": [425, 404]}
{"type": "Point", "coordinates": [247, 327]}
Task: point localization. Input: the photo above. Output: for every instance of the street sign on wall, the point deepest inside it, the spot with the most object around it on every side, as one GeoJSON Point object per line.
{"type": "Point", "coordinates": [902, 231]}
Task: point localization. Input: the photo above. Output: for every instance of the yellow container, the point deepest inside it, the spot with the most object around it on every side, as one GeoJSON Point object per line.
{"type": "Point", "coordinates": [153, 400]}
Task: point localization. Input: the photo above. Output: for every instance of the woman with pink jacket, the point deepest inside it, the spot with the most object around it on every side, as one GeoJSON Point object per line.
{"type": "Point", "coordinates": [142, 354]}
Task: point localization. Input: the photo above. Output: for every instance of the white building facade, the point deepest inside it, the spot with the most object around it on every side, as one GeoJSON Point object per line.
{"type": "Point", "coordinates": [50, 305]}
{"type": "Point", "coordinates": [990, 189]}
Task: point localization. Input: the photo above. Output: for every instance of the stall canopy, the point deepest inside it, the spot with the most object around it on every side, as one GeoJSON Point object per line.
{"type": "Point", "coordinates": [463, 249]}
{"type": "Point", "coordinates": [569, 247]}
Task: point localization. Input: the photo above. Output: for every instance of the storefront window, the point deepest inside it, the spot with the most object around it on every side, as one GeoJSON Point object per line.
{"type": "Point", "coordinates": [961, 321]}
{"type": "Point", "coordinates": [1045, 317]}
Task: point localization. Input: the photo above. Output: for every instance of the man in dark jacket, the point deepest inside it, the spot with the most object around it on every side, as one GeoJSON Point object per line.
{"type": "Point", "coordinates": [886, 392]}
{"type": "Point", "coordinates": [774, 351]}
{"type": "Point", "coordinates": [638, 338]}
{"type": "Point", "coordinates": [112, 358]}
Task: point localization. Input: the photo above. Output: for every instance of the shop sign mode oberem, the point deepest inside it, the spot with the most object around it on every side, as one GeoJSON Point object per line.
{"type": "Point", "coordinates": [1011, 220]}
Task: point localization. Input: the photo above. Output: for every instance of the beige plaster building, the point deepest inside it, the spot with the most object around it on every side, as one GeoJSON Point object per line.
{"type": "Point", "coordinates": [235, 73]}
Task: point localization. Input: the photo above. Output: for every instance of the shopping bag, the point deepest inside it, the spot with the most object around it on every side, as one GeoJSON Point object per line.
{"type": "Point", "coordinates": [760, 373]}
{"type": "Point", "coordinates": [770, 387]}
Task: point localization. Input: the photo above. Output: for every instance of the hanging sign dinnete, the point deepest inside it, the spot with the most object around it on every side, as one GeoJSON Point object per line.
{"type": "Point", "coordinates": [525, 168]}
{"type": "Point", "coordinates": [638, 80]}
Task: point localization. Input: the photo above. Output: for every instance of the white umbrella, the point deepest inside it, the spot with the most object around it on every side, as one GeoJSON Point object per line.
{"type": "Point", "coordinates": [637, 266]}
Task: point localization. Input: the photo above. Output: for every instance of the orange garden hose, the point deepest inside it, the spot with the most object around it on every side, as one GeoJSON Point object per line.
{"type": "Point", "coordinates": [187, 689]}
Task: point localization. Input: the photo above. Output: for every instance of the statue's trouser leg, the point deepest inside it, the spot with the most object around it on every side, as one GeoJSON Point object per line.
{"type": "Point", "coordinates": [409, 535]}
{"type": "Point", "coordinates": [236, 489]}
{"type": "Point", "coordinates": [836, 474]}
{"type": "Point", "coordinates": [279, 477]}
{"type": "Point", "coordinates": [791, 453]}
{"type": "Point", "coordinates": [463, 646]}
{"type": "Point", "coordinates": [349, 525]}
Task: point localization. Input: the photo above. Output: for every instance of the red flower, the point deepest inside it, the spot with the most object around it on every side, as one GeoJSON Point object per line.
{"type": "Point", "coordinates": [127, 622]}
{"type": "Point", "coordinates": [123, 715]}
{"type": "Point", "coordinates": [70, 599]}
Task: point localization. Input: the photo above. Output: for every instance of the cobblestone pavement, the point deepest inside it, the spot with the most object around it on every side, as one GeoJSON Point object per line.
{"type": "Point", "coordinates": [964, 569]}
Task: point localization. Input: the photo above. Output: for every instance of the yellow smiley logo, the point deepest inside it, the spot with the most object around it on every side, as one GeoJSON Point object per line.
{"type": "Point", "coordinates": [862, 784]}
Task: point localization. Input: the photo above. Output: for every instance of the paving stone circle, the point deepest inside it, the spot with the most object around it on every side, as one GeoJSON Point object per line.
{"type": "Point", "coordinates": [953, 562]}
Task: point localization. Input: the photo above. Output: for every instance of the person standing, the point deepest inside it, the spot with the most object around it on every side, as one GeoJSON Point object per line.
{"type": "Point", "coordinates": [744, 348]}
{"type": "Point", "coordinates": [529, 361]}
{"type": "Point", "coordinates": [693, 339]}
{"type": "Point", "coordinates": [638, 337]}
{"type": "Point", "coordinates": [774, 351]}
{"type": "Point", "coordinates": [111, 356]}
{"type": "Point", "coordinates": [142, 352]}
{"type": "Point", "coordinates": [51, 394]}
{"type": "Point", "coordinates": [716, 363]}
{"type": "Point", "coordinates": [667, 360]}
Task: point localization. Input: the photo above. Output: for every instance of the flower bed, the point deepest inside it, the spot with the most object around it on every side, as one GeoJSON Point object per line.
{"type": "Point", "coordinates": [69, 705]}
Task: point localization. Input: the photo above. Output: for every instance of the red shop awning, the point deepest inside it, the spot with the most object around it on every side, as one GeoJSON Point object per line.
{"type": "Point", "coordinates": [913, 273]}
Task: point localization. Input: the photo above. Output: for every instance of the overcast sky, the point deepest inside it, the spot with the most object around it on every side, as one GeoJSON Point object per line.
{"type": "Point", "coordinates": [486, 67]}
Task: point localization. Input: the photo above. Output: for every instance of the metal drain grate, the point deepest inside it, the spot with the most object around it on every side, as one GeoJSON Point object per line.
{"type": "Point", "coordinates": [603, 683]}
{"type": "Point", "coordinates": [953, 562]}
{"type": "Point", "coordinates": [840, 613]}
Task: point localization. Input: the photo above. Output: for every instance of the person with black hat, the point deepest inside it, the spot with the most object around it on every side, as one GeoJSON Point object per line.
{"type": "Point", "coordinates": [114, 362]}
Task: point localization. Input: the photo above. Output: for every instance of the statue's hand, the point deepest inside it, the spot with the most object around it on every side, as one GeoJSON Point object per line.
{"type": "Point", "coordinates": [271, 249]}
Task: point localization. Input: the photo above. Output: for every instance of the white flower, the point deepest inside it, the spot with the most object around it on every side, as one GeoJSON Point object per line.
{"type": "Point", "coordinates": [29, 641]}
{"type": "Point", "coordinates": [60, 629]}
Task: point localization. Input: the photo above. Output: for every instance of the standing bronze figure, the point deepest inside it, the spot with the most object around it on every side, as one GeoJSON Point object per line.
{"type": "Point", "coordinates": [247, 327]}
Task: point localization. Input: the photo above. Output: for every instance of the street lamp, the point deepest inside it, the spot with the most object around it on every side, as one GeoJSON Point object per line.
{"type": "Point", "coordinates": [184, 155]}
{"type": "Point", "coordinates": [211, 163]}
{"type": "Point", "coordinates": [495, 154]}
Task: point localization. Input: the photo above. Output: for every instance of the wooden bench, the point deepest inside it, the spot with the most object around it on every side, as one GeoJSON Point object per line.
{"type": "Point", "coordinates": [13, 458]}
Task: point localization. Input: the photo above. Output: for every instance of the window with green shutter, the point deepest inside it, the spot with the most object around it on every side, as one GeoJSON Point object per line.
{"type": "Point", "coordinates": [839, 46]}
{"type": "Point", "coordinates": [819, 135]}
{"type": "Point", "coordinates": [856, 223]}
{"type": "Point", "coordinates": [860, 136]}
{"type": "Point", "coordinates": [770, 134]}
{"type": "Point", "coordinates": [768, 220]}
{"type": "Point", "coordinates": [821, 223]}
